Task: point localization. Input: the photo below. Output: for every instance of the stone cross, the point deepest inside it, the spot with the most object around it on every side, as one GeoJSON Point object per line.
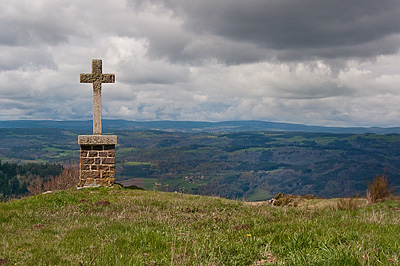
{"type": "Point", "coordinates": [97, 77]}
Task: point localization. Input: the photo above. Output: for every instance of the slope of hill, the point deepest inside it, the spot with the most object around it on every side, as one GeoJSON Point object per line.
{"type": "Point", "coordinates": [192, 126]}
{"type": "Point", "coordinates": [114, 226]}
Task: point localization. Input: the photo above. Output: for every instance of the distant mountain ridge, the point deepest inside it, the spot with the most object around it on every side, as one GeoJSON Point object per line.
{"type": "Point", "coordinates": [194, 126]}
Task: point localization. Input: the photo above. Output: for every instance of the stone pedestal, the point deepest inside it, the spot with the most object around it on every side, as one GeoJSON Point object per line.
{"type": "Point", "coordinates": [97, 164]}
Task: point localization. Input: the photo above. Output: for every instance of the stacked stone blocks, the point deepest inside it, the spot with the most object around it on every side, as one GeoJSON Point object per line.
{"type": "Point", "coordinates": [97, 160]}
{"type": "Point", "coordinates": [97, 165]}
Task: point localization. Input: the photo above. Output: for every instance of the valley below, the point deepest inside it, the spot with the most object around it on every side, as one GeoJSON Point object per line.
{"type": "Point", "coordinates": [252, 165]}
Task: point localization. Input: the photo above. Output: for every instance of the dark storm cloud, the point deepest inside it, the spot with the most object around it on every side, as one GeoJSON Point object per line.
{"type": "Point", "coordinates": [293, 30]}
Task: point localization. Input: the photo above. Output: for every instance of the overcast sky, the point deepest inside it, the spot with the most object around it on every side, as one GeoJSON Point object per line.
{"type": "Point", "coordinates": [316, 62]}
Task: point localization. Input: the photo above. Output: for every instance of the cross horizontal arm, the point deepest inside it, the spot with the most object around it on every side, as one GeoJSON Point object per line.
{"type": "Point", "coordinates": [108, 78]}
{"type": "Point", "coordinates": [87, 78]}
{"type": "Point", "coordinates": [103, 78]}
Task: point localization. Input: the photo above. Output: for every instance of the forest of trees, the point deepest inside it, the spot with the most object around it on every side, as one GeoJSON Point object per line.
{"type": "Point", "coordinates": [15, 178]}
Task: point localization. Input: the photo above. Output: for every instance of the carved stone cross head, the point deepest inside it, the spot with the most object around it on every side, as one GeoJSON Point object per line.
{"type": "Point", "coordinates": [97, 77]}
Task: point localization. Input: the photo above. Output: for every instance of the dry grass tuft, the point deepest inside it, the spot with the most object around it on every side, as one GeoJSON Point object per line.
{"type": "Point", "coordinates": [348, 204]}
{"type": "Point", "coordinates": [379, 190]}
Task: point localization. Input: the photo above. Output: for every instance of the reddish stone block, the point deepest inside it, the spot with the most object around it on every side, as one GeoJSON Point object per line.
{"type": "Point", "coordinates": [84, 174]}
{"type": "Point", "coordinates": [108, 174]}
{"type": "Point", "coordinates": [87, 161]}
{"type": "Point", "coordinates": [102, 154]}
{"type": "Point", "coordinates": [104, 167]}
{"type": "Point", "coordinates": [85, 167]}
{"type": "Point", "coordinates": [93, 153]}
{"type": "Point", "coordinates": [84, 154]}
{"type": "Point", "coordinates": [97, 161]}
{"type": "Point", "coordinates": [108, 160]}
{"type": "Point", "coordinates": [111, 153]}
{"type": "Point", "coordinates": [90, 174]}
{"type": "Point", "coordinates": [94, 174]}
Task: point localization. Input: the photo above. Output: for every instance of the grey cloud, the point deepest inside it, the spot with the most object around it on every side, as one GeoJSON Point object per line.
{"type": "Point", "coordinates": [26, 23]}
{"type": "Point", "coordinates": [155, 72]}
{"type": "Point", "coordinates": [26, 33]}
{"type": "Point", "coordinates": [294, 30]}
{"type": "Point", "coordinates": [317, 91]}
{"type": "Point", "coordinates": [46, 108]}
{"type": "Point", "coordinates": [230, 52]}
{"type": "Point", "coordinates": [167, 41]}
{"type": "Point", "coordinates": [12, 58]}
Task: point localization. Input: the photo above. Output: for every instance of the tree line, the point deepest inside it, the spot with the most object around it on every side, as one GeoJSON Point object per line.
{"type": "Point", "coordinates": [15, 178]}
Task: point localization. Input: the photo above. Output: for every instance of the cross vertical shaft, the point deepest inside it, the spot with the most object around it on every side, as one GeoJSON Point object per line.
{"type": "Point", "coordinates": [96, 108]}
{"type": "Point", "coordinates": [97, 77]}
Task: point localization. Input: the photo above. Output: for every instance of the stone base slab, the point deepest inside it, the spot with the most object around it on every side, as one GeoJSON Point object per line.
{"type": "Point", "coordinates": [97, 139]}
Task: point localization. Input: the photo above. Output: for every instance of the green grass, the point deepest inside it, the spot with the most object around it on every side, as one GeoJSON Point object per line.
{"type": "Point", "coordinates": [154, 228]}
{"type": "Point", "coordinates": [70, 134]}
{"type": "Point", "coordinates": [57, 152]}
{"type": "Point", "coordinates": [149, 183]}
{"type": "Point", "coordinates": [124, 151]}
{"type": "Point", "coordinates": [52, 149]}
{"type": "Point", "coordinates": [66, 153]}
{"type": "Point", "coordinates": [260, 194]}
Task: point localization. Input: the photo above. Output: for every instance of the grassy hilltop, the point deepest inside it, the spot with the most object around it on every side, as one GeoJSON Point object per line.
{"type": "Point", "coordinates": [116, 226]}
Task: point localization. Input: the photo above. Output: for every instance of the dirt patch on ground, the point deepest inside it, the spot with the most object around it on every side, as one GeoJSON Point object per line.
{"type": "Point", "coordinates": [268, 259]}
{"type": "Point", "coordinates": [4, 261]}
{"type": "Point", "coordinates": [102, 203]}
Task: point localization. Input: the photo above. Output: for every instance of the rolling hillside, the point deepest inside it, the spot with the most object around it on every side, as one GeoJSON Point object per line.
{"type": "Point", "coordinates": [253, 165]}
{"type": "Point", "coordinates": [115, 226]}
